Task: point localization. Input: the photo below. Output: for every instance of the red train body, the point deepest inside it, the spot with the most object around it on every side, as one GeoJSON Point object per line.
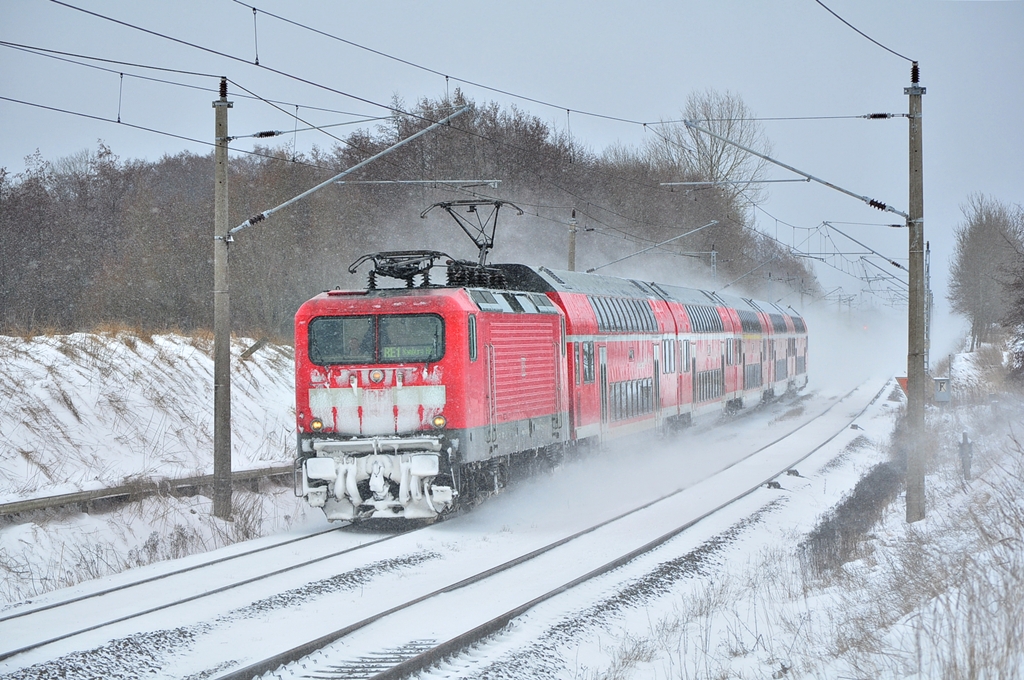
{"type": "Point", "coordinates": [410, 400]}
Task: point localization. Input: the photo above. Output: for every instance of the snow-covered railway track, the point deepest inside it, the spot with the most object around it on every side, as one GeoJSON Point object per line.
{"type": "Point", "coordinates": [93, 606]}
{"type": "Point", "coordinates": [461, 614]}
{"type": "Point", "coordinates": [430, 593]}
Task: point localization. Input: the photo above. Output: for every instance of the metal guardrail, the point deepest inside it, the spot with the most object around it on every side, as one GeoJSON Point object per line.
{"type": "Point", "coordinates": [140, 489]}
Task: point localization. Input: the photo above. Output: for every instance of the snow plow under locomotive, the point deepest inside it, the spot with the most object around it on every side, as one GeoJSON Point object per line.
{"type": "Point", "coordinates": [410, 400]}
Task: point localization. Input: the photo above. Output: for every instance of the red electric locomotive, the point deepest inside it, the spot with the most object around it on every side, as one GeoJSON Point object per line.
{"type": "Point", "coordinates": [412, 400]}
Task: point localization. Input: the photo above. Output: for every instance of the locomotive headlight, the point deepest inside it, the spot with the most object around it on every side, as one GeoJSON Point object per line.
{"type": "Point", "coordinates": [439, 421]}
{"type": "Point", "coordinates": [316, 424]}
{"type": "Point", "coordinates": [376, 375]}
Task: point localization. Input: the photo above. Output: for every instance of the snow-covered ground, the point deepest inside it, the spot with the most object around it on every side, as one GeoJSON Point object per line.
{"type": "Point", "coordinates": [325, 595]}
{"type": "Point", "coordinates": [936, 599]}
{"type": "Point", "coordinates": [88, 411]}
{"type": "Point", "coordinates": [744, 599]}
{"type": "Point", "coordinates": [91, 411]}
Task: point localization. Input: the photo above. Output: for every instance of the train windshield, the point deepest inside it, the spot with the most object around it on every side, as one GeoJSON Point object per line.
{"type": "Point", "coordinates": [391, 339]}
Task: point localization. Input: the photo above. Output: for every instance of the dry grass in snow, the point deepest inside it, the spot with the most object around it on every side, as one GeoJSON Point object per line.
{"type": "Point", "coordinates": [864, 594]}
{"type": "Point", "coordinates": [95, 410]}
{"type": "Point", "coordinates": [87, 410]}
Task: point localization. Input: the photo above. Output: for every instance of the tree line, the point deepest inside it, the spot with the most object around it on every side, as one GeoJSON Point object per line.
{"type": "Point", "coordinates": [986, 278]}
{"type": "Point", "coordinates": [93, 239]}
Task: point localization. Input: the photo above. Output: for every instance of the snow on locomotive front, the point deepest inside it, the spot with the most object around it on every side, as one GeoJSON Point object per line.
{"type": "Point", "coordinates": [377, 382]}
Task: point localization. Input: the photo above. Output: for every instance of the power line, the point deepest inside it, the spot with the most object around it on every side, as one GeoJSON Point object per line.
{"type": "Point", "coordinates": [393, 109]}
{"type": "Point", "coordinates": [225, 55]}
{"type": "Point", "coordinates": [52, 54]}
{"type": "Point", "coordinates": [29, 48]}
{"type": "Point", "coordinates": [356, 97]}
{"type": "Point", "coordinates": [791, 249]}
{"type": "Point", "coordinates": [143, 128]}
{"type": "Point", "coordinates": [784, 118]}
{"type": "Point", "coordinates": [427, 69]}
{"type": "Point", "coordinates": [863, 33]}
{"type": "Point", "coordinates": [245, 61]}
{"type": "Point", "coordinates": [251, 95]}
{"type": "Point", "coordinates": [293, 115]}
{"type": "Point", "coordinates": [508, 93]}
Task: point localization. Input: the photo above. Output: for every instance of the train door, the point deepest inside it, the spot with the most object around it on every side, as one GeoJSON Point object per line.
{"type": "Point", "coordinates": [602, 354]}
{"type": "Point", "coordinates": [492, 407]}
{"type": "Point", "coordinates": [693, 383]}
{"type": "Point", "coordinates": [657, 383]}
{"type": "Point", "coordinates": [684, 374]}
{"type": "Point", "coordinates": [574, 388]}
{"type": "Point", "coordinates": [556, 422]}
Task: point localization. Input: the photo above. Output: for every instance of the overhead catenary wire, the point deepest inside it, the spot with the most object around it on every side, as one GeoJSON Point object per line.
{"type": "Point", "coordinates": [869, 116]}
{"type": "Point", "coordinates": [497, 90]}
{"type": "Point", "coordinates": [891, 261]}
{"type": "Point", "coordinates": [272, 70]}
{"type": "Point", "coordinates": [870, 201]}
{"type": "Point", "coordinates": [862, 33]}
{"type": "Point", "coordinates": [887, 275]}
{"type": "Point", "coordinates": [119, 62]}
{"type": "Point", "coordinates": [326, 87]}
{"type": "Point", "coordinates": [226, 55]}
{"type": "Point", "coordinates": [267, 213]}
{"type": "Point", "coordinates": [296, 116]}
{"type": "Point", "coordinates": [791, 249]}
{"type": "Point", "coordinates": [248, 94]}
{"type": "Point", "coordinates": [66, 57]}
{"type": "Point", "coordinates": [277, 133]}
{"type": "Point", "coordinates": [427, 69]}
{"type": "Point", "coordinates": [143, 128]}
{"type": "Point", "coordinates": [393, 109]}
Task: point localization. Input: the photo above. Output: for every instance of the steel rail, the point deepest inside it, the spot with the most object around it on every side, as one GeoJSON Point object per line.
{"type": "Point", "coordinates": [460, 642]}
{"type": "Point", "coordinates": [447, 648]}
{"type": "Point", "coordinates": [191, 598]}
{"type": "Point", "coordinates": [158, 577]}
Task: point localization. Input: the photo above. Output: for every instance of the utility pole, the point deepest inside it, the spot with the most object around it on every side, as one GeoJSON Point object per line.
{"type": "Point", "coordinates": [573, 224]}
{"type": "Point", "coordinates": [916, 375]}
{"type": "Point", "coordinates": [221, 315]}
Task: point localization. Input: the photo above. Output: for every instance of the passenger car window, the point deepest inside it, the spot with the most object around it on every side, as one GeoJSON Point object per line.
{"type": "Point", "coordinates": [588, 361]}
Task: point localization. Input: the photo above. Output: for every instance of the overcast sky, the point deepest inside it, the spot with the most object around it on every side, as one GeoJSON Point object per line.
{"type": "Point", "coordinates": [634, 60]}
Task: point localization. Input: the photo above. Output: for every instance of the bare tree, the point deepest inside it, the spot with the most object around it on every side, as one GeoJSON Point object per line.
{"type": "Point", "coordinates": [986, 260]}
{"type": "Point", "coordinates": [1014, 319]}
{"type": "Point", "coordinates": [696, 156]}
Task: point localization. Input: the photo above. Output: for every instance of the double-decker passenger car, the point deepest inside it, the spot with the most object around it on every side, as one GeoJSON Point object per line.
{"type": "Point", "coordinates": [410, 400]}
